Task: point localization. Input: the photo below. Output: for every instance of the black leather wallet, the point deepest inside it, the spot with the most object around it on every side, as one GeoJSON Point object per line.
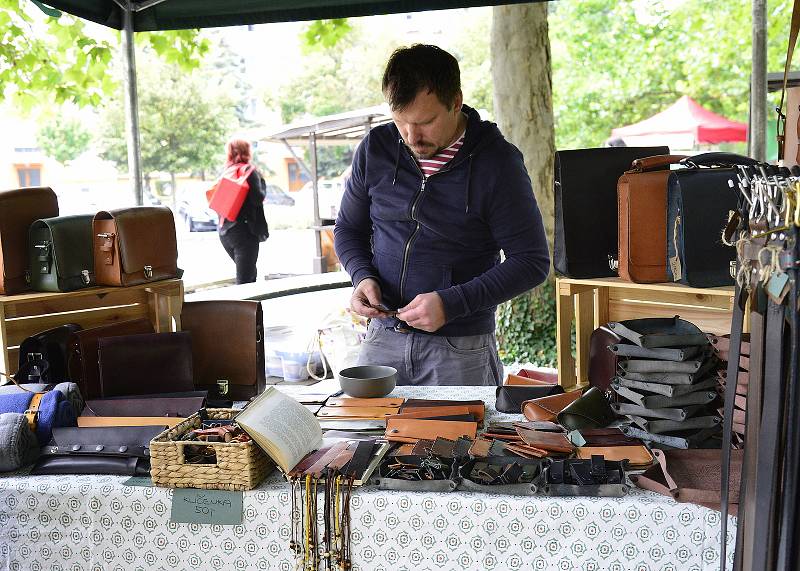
{"type": "Point", "coordinates": [509, 398]}
{"type": "Point", "coordinates": [119, 450]}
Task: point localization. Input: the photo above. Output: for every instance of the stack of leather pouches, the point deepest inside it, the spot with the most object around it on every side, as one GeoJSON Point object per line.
{"type": "Point", "coordinates": [666, 383]}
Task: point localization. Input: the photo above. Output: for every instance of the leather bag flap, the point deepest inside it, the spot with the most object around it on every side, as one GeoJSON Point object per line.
{"type": "Point", "coordinates": [145, 235]}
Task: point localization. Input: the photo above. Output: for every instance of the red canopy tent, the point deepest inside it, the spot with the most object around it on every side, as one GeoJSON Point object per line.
{"type": "Point", "coordinates": [684, 125]}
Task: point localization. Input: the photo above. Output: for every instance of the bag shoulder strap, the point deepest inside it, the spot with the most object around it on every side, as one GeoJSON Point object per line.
{"type": "Point", "coordinates": [32, 413]}
{"type": "Point", "coordinates": [793, 32]}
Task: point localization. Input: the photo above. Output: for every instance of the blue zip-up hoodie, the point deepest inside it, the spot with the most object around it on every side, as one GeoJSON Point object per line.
{"type": "Point", "coordinates": [444, 233]}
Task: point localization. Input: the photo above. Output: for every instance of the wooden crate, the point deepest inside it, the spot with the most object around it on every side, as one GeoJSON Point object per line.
{"type": "Point", "coordinates": [27, 314]}
{"type": "Point", "coordinates": [593, 302]}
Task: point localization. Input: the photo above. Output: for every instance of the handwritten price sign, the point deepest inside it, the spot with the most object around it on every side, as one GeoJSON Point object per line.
{"type": "Point", "coordinates": [206, 506]}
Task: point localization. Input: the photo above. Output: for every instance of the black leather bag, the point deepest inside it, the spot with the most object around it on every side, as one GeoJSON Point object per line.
{"type": "Point", "coordinates": [586, 224]}
{"type": "Point", "coordinates": [509, 398]}
{"type": "Point", "coordinates": [60, 252]}
{"type": "Point", "coordinates": [43, 357]}
{"type": "Point", "coordinates": [700, 198]}
{"type": "Point", "coordinates": [149, 363]}
{"type": "Point", "coordinates": [591, 410]}
{"type": "Point", "coordinates": [119, 450]}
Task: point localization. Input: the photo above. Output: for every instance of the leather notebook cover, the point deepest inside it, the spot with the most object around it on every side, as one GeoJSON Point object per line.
{"type": "Point", "coordinates": [549, 441]}
{"type": "Point", "coordinates": [146, 364]}
{"type": "Point", "coordinates": [547, 408]}
{"type": "Point", "coordinates": [435, 412]}
{"type": "Point", "coordinates": [227, 343]}
{"type": "Point", "coordinates": [364, 412]}
{"type": "Point", "coordinates": [411, 430]}
{"type": "Point", "coordinates": [476, 407]}
{"type": "Point", "coordinates": [84, 347]}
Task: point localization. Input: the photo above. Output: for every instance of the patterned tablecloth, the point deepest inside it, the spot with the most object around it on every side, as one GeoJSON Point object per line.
{"type": "Point", "coordinates": [94, 522]}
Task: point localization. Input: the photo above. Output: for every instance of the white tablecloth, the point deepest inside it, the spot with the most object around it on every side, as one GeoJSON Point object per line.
{"type": "Point", "coordinates": [94, 522]}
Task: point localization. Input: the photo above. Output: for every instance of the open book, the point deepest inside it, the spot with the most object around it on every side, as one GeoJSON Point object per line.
{"type": "Point", "coordinates": [282, 427]}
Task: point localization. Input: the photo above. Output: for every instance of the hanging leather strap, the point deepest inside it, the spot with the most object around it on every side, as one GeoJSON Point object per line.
{"type": "Point", "coordinates": [737, 323]}
{"type": "Point", "coordinates": [32, 414]}
{"type": "Point", "coordinates": [768, 469]}
{"type": "Point", "coordinates": [747, 509]}
{"type": "Point", "coordinates": [793, 32]}
{"type": "Point", "coordinates": [787, 542]}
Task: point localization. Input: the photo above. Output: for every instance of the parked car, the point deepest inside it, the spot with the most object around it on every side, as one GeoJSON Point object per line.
{"type": "Point", "coordinates": [196, 214]}
{"type": "Point", "coordinates": [330, 197]}
{"type": "Point", "coordinates": [276, 195]}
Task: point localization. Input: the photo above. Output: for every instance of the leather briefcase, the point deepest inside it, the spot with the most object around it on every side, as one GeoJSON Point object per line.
{"type": "Point", "coordinates": [83, 352]}
{"type": "Point", "coordinates": [642, 204]}
{"type": "Point", "coordinates": [18, 210]}
{"type": "Point", "coordinates": [121, 451]}
{"type": "Point", "coordinates": [60, 251]}
{"type": "Point", "coordinates": [585, 244]}
{"type": "Point", "coordinates": [134, 246]}
{"type": "Point", "coordinates": [43, 357]}
{"type": "Point", "coordinates": [227, 345]}
{"type": "Point", "coordinates": [699, 201]}
{"type": "Point", "coordinates": [145, 364]}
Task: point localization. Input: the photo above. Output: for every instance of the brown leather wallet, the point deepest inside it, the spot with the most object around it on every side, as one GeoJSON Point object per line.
{"type": "Point", "coordinates": [351, 402]}
{"type": "Point", "coordinates": [477, 408]}
{"type": "Point", "coordinates": [480, 447]}
{"type": "Point", "coordinates": [413, 429]}
{"type": "Point", "coordinates": [516, 380]}
{"type": "Point", "coordinates": [547, 408]}
{"type": "Point", "coordinates": [548, 441]}
{"type": "Point", "coordinates": [364, 412]}
{"type": "Point", "coordinates": [637, 456]}
{"type": "Point", "coordinates": [526, 451]}
{"type": "Point", "coordinates": [434, 412]}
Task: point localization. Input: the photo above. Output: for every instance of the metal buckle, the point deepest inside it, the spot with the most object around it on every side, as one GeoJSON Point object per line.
{"type": "Point", "coordinates": [85, 277]}
{"type": "Point", "coordinates": [612, 263]}
{"type": "Point", "coordinates": [148, 272]}
{"type": "Point", "coordinates": [222, 386]}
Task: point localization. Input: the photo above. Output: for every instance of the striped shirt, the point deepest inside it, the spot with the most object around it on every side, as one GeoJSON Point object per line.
{"type": "Point", "coordinates": [438, 161]}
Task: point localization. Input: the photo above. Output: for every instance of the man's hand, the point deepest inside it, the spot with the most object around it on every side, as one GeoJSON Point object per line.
{"type": "Point", "coordinates": [367, 293]}
{"type": "Point", "coordinates": [425, 312]}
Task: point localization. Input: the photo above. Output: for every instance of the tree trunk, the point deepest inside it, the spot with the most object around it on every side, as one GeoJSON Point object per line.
{"type": "Point", "coordinates": [523, 94]}
{"type": "Point", "coordinates": [173, 191]}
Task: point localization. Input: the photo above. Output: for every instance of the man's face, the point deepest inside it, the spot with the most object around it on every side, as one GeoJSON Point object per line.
{"type": "Point", "coordinates": [426, 125]}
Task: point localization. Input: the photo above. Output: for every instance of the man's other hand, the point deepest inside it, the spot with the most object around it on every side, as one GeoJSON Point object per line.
{"type": "Point", "coordinates": [367, 293]}
{"type": "Point", "coordinates": [425, 312]}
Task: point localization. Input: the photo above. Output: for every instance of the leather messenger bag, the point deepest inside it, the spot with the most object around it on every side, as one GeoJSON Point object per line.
{"type": "Point", "coordinates": [227, 345]}
{"type": "Point", "coordinates": [642, 206]}
{"type": "Point", "coordinates": [60, 251]}
{"type": "Point", "coordinates": [18, 210]}
{"type": "Point", "coordinates": [135, 245]}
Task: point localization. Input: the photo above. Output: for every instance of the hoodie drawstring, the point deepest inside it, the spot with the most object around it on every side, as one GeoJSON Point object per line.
{"type": "Point", "coordinates": [397, 160]}
{"type": "Point", "coordinates": [469, 175]}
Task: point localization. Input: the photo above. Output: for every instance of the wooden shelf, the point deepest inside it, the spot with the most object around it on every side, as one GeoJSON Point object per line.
{"type": "Point", "coordinates": [591, 303]}
{"type": "Point", "coordinates": [29, 313]}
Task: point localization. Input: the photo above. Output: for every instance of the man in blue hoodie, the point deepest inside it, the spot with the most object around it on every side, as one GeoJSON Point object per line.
{"type": "Point", "coordinates": [431, 201]}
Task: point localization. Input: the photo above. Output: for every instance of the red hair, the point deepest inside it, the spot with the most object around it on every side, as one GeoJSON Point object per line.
{"type": "Point", "coordinates": [238, 151]}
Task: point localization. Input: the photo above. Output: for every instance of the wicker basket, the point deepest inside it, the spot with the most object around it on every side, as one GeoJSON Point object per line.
{"type": "Point", "coordinates": [240, 466]}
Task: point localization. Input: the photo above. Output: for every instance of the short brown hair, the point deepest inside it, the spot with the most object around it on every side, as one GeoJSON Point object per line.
{"type": "Point", "coordinates": [418, 67]}
{"type": "Point", "coordinates": [238, 151]}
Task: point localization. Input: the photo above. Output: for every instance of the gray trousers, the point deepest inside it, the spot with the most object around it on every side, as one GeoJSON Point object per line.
{"type": "Point", "coordinates": [424, 359]}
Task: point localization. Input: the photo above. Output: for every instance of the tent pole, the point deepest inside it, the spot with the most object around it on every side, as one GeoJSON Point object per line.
{"type": "Point", "coordinates": [131, 103]}
{"type": "Point", "coordinates": [319, 262]}
{"type": "Point", "coordinates": [758, 84]}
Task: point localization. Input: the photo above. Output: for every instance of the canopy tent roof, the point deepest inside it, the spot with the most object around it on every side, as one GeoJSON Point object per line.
{"type": "Point", "coordinates": [341, 128]}
{"type": "Point", "coordinates": [149, 15]}
{"type": "Point", "coordinates": [684, 121]}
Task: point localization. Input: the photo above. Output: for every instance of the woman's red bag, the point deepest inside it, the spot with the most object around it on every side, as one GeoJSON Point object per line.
{"type": "Point", "coordinates": [227, 196]}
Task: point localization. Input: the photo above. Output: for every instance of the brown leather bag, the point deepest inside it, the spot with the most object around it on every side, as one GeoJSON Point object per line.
{"type": "Point", "coordinates": [83, 352]}
{"type": "Point", "coordinates": [19, 208]}
{"type": "Point", "coordinates": [134, 246]}
{"type": "Point", "coordinates": [227, 344]}
{"type": "Point", "coordinates": [642, 219]}
{"type": "Point", "coordinates": [548, 408]}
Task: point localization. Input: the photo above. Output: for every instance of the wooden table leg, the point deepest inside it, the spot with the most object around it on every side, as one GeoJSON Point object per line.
{"type": "Point", "coordinates": [600, 306]}
{"type": "Point", "coordinates": [584, 325]}
{"type": "Point", "coordinates": [5, 365]}
{"type": "Point", "coordinates": [565, 312]}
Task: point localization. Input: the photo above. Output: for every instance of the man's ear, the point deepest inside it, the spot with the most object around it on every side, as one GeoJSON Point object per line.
{"type": "Point", "coordinates": [459, 101]}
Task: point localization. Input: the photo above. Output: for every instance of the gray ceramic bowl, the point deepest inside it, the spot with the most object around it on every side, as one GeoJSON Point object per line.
{"type": "Point", "coordinates": [368, 381]}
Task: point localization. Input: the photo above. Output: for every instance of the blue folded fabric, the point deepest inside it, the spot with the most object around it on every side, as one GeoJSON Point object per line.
{"type": "Point", "coordinates": [54, 411]}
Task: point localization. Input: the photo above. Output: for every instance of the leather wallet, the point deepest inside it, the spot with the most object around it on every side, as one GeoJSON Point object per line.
{"type": "Point", "coordinates": [227, 344]}
{"type": "Point", "coordinates": [480, 447]}
{"type": "Point", "coordinates": [413, 429]}
{"type": "Point", "coordinates": [146, 364]}
{"type": "Point", "coordinates": [530, 381]}
{"type": "Point", "coordinates": [638, 457]}
{"type": "Point", "coordinates": [524, 450]}
{"type": "Point", "coordinates": [591, 410]}
{"type": "Point", "coordinates": [476, 407]}
{"type": "Point", "coordinates": [547, 408]}
{"type": "Point", "coordinates": [549, 378]}
{"type": "Point", "coordinates": [436, 412]}
{"type": "Point", "coordinates": [510, 398]}
{"type": "Point", "coordinates": [83, 352]}
{"type": "Point", "coordinates": [122, 451]}
{"type": "Point", "coordinates": [549, 441]}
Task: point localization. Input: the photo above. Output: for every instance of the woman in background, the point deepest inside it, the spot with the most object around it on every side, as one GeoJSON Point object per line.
{"type": "Point", "coordinates": [241, 237]}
